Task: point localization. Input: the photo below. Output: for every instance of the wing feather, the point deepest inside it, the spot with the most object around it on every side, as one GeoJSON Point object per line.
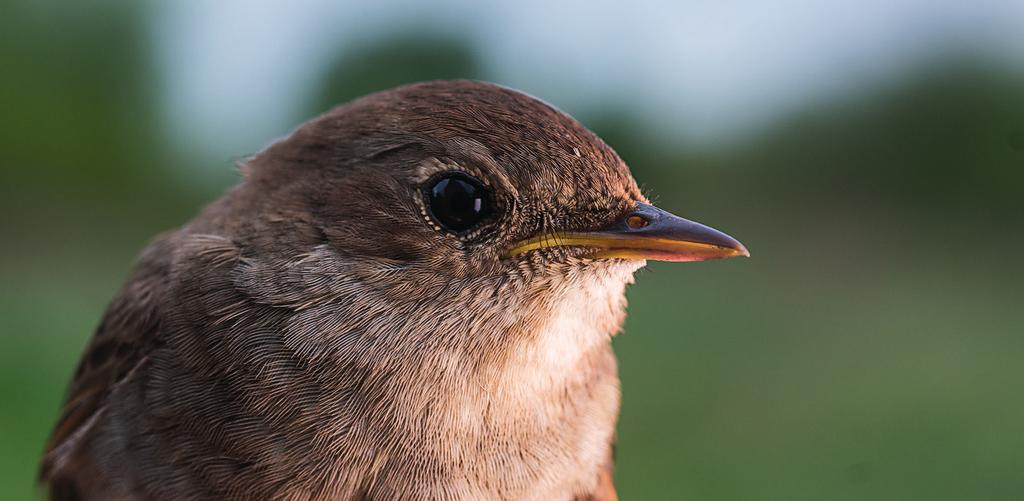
{"type": "Point", "coordinates": [129, 328]}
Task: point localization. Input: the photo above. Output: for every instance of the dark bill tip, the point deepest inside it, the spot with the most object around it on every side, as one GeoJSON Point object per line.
{"type": "Point", "coordinates": [646, 232]}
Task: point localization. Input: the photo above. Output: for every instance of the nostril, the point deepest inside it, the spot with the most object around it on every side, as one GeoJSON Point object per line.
{"type": "Point", "coordinates": [636, 222]}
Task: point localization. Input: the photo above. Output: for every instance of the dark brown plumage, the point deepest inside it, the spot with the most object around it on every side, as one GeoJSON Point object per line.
{"type": "Point", "coordinates": [322, 332]}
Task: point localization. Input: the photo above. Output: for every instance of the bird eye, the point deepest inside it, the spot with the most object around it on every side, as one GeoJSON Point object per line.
{"type": "Point", "coordinates": [458, 202]}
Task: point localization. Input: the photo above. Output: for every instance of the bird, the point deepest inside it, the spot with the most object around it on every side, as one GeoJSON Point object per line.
{"type": "Point", "coordinates": [410, 296]}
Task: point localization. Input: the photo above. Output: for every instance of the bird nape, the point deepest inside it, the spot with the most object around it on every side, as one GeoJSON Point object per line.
{"type": "Point", "coordinates": [410, 297]}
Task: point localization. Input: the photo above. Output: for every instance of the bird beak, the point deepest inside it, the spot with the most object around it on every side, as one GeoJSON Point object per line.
{"type": "Point", "coordinates": [646, 232]}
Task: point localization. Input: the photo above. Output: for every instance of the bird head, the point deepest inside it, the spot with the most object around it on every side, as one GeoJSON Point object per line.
{"type": "Point", "coordinates": [452, 207]}
{"type": "Point", "coordinates": [471, 180]}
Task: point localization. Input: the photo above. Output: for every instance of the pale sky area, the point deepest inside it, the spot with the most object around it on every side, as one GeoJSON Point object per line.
{"type": "Point", "coordinates": [237, 70]}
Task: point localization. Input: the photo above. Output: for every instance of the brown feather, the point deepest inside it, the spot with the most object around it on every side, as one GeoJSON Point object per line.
{"type": "Point", "coordinates": [313, 335]}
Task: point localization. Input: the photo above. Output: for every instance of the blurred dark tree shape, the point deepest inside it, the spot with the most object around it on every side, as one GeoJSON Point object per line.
{"type": "Point", "coordinates": [390, 61]}
{"type": "Point", "coordinates": [79, 96]}
{"type": "Point", "coordinates": [949, 137]}
{"type": "Point", "coordinates": [943, 138]}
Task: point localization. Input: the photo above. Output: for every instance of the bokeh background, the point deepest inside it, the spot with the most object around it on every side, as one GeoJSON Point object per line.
{"type": "Point", "coordinates": [870, 154]}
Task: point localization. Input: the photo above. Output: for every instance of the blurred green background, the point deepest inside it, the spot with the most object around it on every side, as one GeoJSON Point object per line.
{"type": "Point", "coordinates": [872, 348]}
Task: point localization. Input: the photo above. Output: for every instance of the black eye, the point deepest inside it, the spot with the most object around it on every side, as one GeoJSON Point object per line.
{"type": "Point", "coordinates": [458, 202]}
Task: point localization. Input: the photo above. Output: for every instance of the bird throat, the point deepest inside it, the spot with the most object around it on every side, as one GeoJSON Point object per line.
{"type": "Point", "coordinates": [577, 316]}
